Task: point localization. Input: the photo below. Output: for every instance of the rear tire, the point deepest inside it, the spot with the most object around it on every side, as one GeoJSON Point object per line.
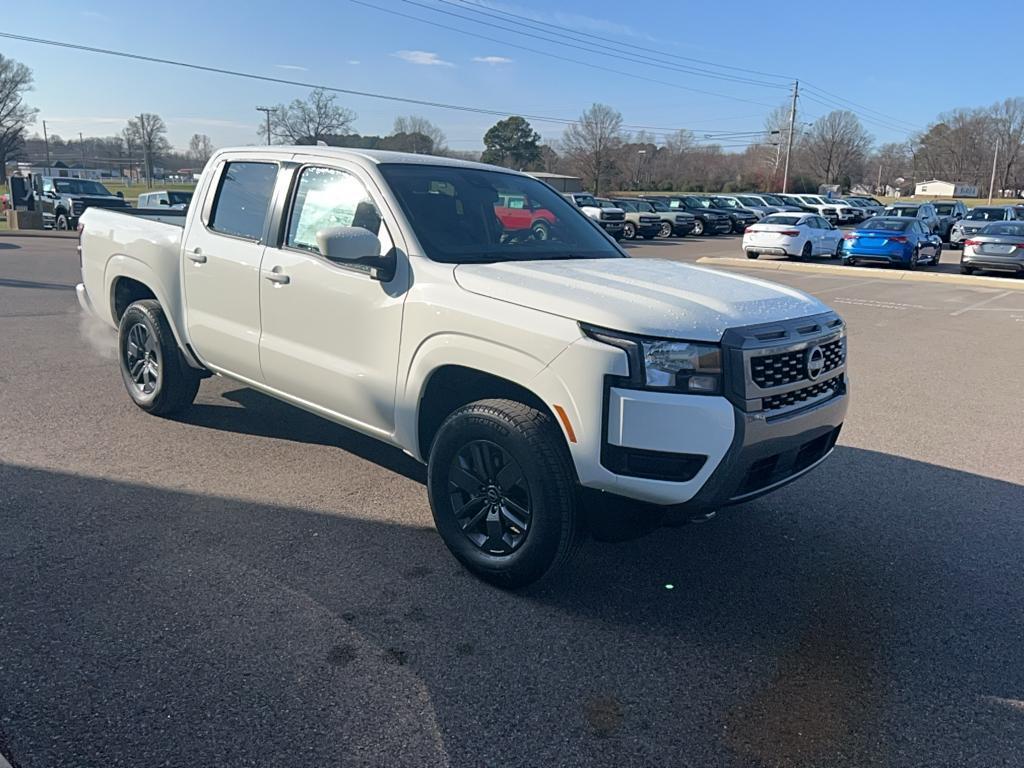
{"type": "Point", "coordinates": [157, 378]}
{"type": "Point", "coordinates": [752, 254]}
{"type": "Point", "coordinates": [806, 252]}
{"type": "Point", "coordinates": [967, 270]}
{"type": "Point", "coordinates": [503, 492]}
{"type": "Point", "coordinates": [541, 231]}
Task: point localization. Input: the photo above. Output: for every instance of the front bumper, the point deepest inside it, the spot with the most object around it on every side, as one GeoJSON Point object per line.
{"type": "Point", "coordinates": [648, 230]}
{"type": "Point", "coordinates": [682, 230]}
{"type": "Point", "coordinates": [612, 227]}
{"type": "Point", "coordinates": [722, 227]}
{"type": "Point", "coordinates": [882, 257]}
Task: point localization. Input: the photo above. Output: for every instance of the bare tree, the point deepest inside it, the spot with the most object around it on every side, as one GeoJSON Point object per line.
{"type": "Point", "coordinates": [591, 146]}
{"type": "Point", "coordinates": [1007, 119]}
{"type": "Point", "coordinates": [148, 133]}
{"type": "Point", "coordinates": [15, 114]}
{"type": "Point", "coordinates": [309, 121]}
{"type": "Point", "coordinates": [835, 147]}
{"type": "Point", "coordinates": [414, 125]}
{"type": "Point", "coordinates": [200, 148]}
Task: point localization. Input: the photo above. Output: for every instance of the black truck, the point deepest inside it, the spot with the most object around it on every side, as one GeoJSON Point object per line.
{"type": "Point", "coordinates": [63, 200]}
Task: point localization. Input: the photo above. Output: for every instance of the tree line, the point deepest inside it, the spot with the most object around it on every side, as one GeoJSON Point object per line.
{"type": "Point", "coordinates": [835, 149]}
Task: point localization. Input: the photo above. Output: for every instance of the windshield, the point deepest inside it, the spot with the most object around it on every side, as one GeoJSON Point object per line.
{"type": "Point", "coordinates": [458, 216]}
{"type": "Point", "coordinates": [80, 187]}
{"type": "Point", "coordinates": [588, 201]}
{"type": "Point", "coordinates": [902, 210]}
{"type": "Point", "coordinates": [696, 202]}
{"type": "Point", "coordinates": [887, 225]}
{"type": "Point", "coordinates": [751, 201]}
{"type": "Point", "coordinates": [987, 214]}
{"type": "Point", "coordinates": [1013, 230]}
{"type": "Point", "coordinates": [773, 200]}
{"type": "Point", "coordinates": [944, 209]}
{"type": "Point", "coordinates": [788, 221]}
{"type": "Point", "coordinates": [625, 205]}
{"type": "Point", "coordinates": [811, 200]}
{"type": "Point", "coordinates": [725, 202]}
{"type": "Point", "coordinates": [644, 207]}
{"type": "Point", "coordinates": [179, 198]}
{"type": "Point", "coordinates": [660, 206]}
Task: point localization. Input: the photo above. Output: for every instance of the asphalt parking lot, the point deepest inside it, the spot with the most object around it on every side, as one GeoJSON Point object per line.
{"type": "Point", "coordinates": [253, 586]}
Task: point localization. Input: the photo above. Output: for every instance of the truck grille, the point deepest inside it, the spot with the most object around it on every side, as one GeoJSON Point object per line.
{"type": "Point", "coordinates": [776, 369]}
{"type": "Point", "coordinates": [788, 367]}
{"type": "Point", "coordinates": [800, 396]}
{"type": "Point", "coordinates": [612, 216]}
{"type": "Point", "coordinates": [77, 206]}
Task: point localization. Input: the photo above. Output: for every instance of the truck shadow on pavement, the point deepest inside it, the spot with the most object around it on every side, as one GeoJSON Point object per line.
{"type": "Point", "coordinates": [870, 614]}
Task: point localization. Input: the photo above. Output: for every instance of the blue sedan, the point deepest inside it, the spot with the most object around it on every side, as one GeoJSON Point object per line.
{"type": "Point", "coordinates": [892, 240]}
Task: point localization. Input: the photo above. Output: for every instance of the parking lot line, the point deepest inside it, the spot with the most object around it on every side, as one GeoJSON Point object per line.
{"type": "Point", "coordinates": [844, 287]}
{"type": "Point", "coordinates": [981, 303]}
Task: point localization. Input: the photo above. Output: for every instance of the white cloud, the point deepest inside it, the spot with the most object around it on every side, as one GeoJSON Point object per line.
{"type": "Point", "coordinates": [425, 58]}
{"type": "Point", "coordinates": [354, 61]}
{"type": "Point", "coordinates": [296, 67]}
{"type": "Point", "coordinates": [492, 60]}
{"type": "Point", "coordinates": [210, 122]}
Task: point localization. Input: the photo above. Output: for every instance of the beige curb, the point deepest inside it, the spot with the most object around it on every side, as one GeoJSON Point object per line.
{"type": "Point", "coordinates": [1003, 283]}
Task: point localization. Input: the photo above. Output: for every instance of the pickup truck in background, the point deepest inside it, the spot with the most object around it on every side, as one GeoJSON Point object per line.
{"type": "Point", "coordinates": [175, 200]}
{"type": "Point", "coordinates": [612, 220]}
{"type": "Point", "coordinates": [546, 381]}
{"type": "Point", "coordinates": [707, 221]}
{"type": "Point", "coordinates": [63, 200]}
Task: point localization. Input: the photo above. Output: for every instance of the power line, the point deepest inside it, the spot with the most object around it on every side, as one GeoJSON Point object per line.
{"type": "Point", "coordinates": [606, 49]}
{"type": "Point", "coordinates": [604, 40]}
{"type": "Point", "coordinates": [320, 86]}
{"type": "Point", "coordinates": [556, 56]}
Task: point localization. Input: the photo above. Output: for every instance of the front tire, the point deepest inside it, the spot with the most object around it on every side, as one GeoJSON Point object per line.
{"type": "Point", "coordinates": [62, 222]}
{"type": "Point", "coordinates": [156, 376]}
{"type": "Point", "coordinates": [752, 254]}
{"type": "Point", "coordinates": [966, 270]}
{"type": "Point", "coordinates": [838, 252]}
{"type": "Point", "coordinates": [698, 228]}
{"type": "Point", "coordinates": [666, 229]}
{"type": "Point", "coordinates": [629, 231]}
{"type": "Point", "coordinates": [503, 492]}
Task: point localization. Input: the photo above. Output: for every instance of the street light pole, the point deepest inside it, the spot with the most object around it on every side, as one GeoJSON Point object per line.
{"type": "Point", "coordinates": [81, 146]}
{"type": "Point", "coordinates": [267, 111]}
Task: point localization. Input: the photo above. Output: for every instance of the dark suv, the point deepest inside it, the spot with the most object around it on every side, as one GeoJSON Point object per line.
{"type": "Point", "coordinates": [63, 200]}
{"type": "Point", "coordinates": [709, 220]}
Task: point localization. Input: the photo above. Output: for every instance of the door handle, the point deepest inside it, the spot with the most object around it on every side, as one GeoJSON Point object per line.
{"type": "Point", "coordinates": [278, 277]}
{"type": "Point", "coordinates": [197, 256]}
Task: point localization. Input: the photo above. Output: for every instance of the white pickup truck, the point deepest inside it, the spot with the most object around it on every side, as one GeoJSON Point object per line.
{"type": "Point", "coordinates": [538, 377]}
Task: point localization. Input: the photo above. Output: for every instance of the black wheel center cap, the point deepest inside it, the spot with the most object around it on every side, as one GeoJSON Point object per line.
{"type": "Point", "coordinates": [493, 494]}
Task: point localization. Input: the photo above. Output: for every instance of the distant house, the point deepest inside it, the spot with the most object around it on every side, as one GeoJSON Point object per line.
{"type": "Point", "coordinates": [938, 188]}
{"type": "Point", "coordinates": [562, 183]}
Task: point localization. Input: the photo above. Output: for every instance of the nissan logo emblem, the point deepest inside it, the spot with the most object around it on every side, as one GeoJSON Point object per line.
{"type": "Point", "coordinates": [815, 363]}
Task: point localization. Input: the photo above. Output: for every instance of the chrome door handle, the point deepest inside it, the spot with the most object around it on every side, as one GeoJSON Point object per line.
{"type": "Point", "coordinates": [278, 277]}
{"type": "Point", "coordinates": [197, 256]}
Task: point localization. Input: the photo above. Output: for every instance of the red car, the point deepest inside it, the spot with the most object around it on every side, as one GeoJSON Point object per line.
{"type": "Point", "coordinates": [516, 213]}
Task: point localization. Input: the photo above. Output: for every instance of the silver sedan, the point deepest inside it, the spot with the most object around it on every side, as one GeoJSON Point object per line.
{"type": "Point", "coordinates": [998, 246]}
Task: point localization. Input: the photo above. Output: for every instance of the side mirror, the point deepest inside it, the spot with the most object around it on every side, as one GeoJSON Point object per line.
{"type": "Point", "coordinates": [356, 246]}
{"type": "Point", "coordinates": [120, 194]}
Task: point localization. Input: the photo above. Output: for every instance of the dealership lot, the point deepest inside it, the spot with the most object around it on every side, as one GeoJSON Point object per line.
{"type": "Point", "coordinates": [252, 585]}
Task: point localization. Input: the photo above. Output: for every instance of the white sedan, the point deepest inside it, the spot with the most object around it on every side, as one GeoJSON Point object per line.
{"type": "Point", "coordinates": [800, 235]}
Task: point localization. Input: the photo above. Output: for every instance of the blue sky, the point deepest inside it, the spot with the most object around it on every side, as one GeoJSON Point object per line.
{"type": "Point", "coordinates": [863, 52]}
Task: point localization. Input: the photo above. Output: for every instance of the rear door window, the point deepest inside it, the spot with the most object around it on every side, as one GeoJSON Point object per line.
{"type": "Point", "coordinates": [243, 199]}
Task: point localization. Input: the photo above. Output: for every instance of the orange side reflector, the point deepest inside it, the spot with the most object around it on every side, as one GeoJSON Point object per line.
{"type": "Point", "coordinates": [566, 423]}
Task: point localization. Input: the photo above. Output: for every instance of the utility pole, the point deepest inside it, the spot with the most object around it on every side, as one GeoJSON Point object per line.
{"type": "Point", "coordinates": [81, 146]}
{"type": "Point", "coordinates": [145, 150]}
{"type": "Point", "coordinates": [46, 141]}
{"type": "Point", "coordinates": [992, 182]}
{"type": "Point", "coordinates": [878, 186]}
{"type": "Point", "coordinates": [268, 111]}
{"type": "Point", "coordinates": [789, 140]}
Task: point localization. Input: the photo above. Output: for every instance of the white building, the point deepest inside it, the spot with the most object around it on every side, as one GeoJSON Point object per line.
{"type": "Point", "coordinates": [937, 188]}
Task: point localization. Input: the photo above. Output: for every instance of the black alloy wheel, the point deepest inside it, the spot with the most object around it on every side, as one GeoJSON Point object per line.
{"type": "Point", "coordinates": [142, 359]}
{"type": "Point", "coordinates": [489, 497]}
{"type": "Point", "coordinates": [629, 230]}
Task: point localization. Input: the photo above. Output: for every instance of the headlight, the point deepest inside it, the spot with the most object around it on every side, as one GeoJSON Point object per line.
{"type": "Point", "coordinates": [667, 364]}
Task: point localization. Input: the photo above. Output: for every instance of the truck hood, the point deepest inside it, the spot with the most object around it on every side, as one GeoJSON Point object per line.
{"type": "Point", "coordinates": [650, 297]}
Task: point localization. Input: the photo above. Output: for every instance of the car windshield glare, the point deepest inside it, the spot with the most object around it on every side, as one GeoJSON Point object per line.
{"type": "Point", "coordinates": [788, 221]}
{"type": "Point", "coordinates": [887, 225]}
{"type": "Point", "coordinates": [750, 201]}
{"type": "Point", "coordinates": [461, 215]}
{"type": "Point", "coordinates": [1013, 230]}
{"type": "Point", "coordinates": [986, 214]}
{"type": "Point", "coordinates": [773, 200]}
{"type": "Point", "coordinates": [725, 202]}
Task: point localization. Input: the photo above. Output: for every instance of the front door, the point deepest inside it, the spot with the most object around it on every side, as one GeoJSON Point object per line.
{"type": "Point", "coordinates": [331, 332]}
{"type": "Point", "coordinates": [221, 264]}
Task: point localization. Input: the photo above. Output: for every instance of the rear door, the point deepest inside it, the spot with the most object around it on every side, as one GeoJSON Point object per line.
{"type": "Point", "coordinates": [221, 265]}
{"type": "Point", "coordinates": [330, 331]}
